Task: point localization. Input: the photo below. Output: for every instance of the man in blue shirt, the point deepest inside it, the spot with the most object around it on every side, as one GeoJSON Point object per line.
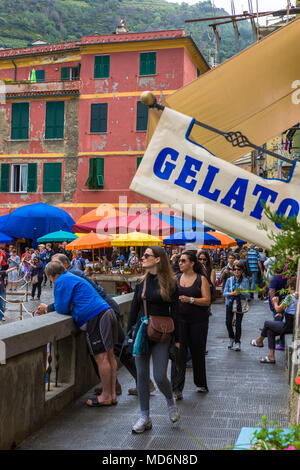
{"type": "Point", "coordinates": [76, 297]}
{"type": "Point", "coordinates": [255, 266]}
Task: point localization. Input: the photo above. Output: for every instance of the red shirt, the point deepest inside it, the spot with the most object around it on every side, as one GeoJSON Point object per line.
{"type": "Point", "coordinates": [3, 263]}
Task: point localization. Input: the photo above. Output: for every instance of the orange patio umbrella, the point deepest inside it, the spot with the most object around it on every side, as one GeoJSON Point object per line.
{"type": "Point", "coordinates": [90, 241]}
{"type": "Point", "coordinates": [101, 212]}
{"type": "Point", "coordinates": [226, 240]}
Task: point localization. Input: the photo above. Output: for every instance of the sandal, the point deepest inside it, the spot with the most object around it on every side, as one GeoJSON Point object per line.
{"type": "Point", "coordinates": [114, 402]}
{"type": "Point", "coordinates": [254, 343]}
{"type": "Point", "coordinates": [266, 360]}
{"type": "Point", "coordinates": [95, 403]}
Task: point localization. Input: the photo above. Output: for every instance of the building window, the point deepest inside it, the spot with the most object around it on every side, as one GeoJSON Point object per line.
{"type": "Point", "coordinates": [148, 63]}
{"type": "Point", "coordinates": [40, 75]}
{"type": "Point", "coordinates": [70, 73]}
{"type": "Point", "coordinates": [99, 117]}
{"type": "Point", "coordinates": [52, 178]}
{"type": "Point", "coordinates": [55, 117]}
{"type": "Point", "coordinates": [141, 116]}
{"type": "Point", "coordinates": [102, 66]}
{"type": "Point", "coordinates": [19, 121]}
{"type": "Point", "coordinates": [138, 161]}
{"type": "Point", "coordinates": [23, 178]}
{"type": "Point", "coordinates": [96, 174]}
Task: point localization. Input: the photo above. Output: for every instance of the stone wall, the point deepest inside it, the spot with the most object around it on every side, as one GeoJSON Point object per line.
{"type": "Point", "coordinates": [26, 404]}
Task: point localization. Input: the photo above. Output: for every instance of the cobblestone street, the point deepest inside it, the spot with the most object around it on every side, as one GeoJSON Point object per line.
{"type": "Point", "coordinates": [241, 390]}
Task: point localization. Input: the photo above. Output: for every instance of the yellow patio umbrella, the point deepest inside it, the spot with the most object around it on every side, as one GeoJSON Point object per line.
{"type": "Point", "coordinates": [136, 239]}
{"type": "Point", "coordinates": [90, 241]}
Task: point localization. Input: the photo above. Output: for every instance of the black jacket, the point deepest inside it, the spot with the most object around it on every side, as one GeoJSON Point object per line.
{"type": "Point", "coordinates": [155, 304]}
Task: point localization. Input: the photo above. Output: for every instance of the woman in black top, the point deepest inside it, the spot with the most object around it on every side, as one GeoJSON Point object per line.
{"type": "Point", "coordinates": [194, 296]}
{"type": "Point", "coordinates": [162, 300]}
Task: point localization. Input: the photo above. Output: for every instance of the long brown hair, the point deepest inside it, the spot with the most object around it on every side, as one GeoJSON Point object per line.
{"type": "Point", "coordinates": [165, 275]}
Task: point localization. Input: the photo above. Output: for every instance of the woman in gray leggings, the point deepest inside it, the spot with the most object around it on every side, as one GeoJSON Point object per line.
{"type": "Point", "coordinates": [162, 299]}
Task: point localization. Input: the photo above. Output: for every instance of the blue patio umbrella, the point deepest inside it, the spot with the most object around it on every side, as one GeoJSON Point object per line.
{"type": "Point", "coordinates": [3, 220]}
{"type": "Point", "coordinates": [5, 238]}
{"type": "Point", "coordinates": [35, 220]}
{"type": "Point", "coordinates": [240, 242]}
{"type": "Point", "coordinates": [182, 224]}
{"type": "Point", "coordinates": [199, 238]}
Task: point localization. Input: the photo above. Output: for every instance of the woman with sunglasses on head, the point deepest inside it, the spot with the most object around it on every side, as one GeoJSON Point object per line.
{"type": "Point", "coordinates": [194, 302]}
{"type": "Point", "coordinates": [161, 295]}
{"type": "Point", "coordinates": [234, 285]}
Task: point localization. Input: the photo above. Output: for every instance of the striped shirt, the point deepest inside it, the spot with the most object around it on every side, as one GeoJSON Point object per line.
{"type": "Point", "coordinates": [253, 258]}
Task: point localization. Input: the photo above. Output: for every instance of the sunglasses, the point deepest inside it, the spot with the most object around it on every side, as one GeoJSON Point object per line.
{"type": "Point", "coordinates": [237, 269]}
{"type": "Point", "coordinates": [182, 260]}
{"type": "Point", "coordinates": [146, 255]}
{"type": "Point", "coordinates": [202, 259]}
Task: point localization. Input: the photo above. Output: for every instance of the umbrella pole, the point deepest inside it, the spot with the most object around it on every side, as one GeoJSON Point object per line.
{"type": "Point", "coordinates": [93, 251]}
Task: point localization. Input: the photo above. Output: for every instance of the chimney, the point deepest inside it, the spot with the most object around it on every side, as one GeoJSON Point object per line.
{"type": "Point", "coordinates": [121, 28]}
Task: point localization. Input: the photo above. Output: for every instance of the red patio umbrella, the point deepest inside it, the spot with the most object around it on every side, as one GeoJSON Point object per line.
{"type": "Point", "coordinates": [144, 222]}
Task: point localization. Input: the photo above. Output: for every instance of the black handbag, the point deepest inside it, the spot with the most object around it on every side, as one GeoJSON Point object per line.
{"type": "Point", "coordinates": [130, 337]}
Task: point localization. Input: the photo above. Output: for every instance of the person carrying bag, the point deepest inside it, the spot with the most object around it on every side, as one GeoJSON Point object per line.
{"type": "Point", "coordinates": [155, 303]}
{"type": "Point", "coordinates": [236, 303]}
{"type": "Point", "coordinates": [159, 328]}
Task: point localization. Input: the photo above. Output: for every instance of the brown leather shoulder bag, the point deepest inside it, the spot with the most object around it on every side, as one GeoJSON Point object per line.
{"type": "Point", "coordinates": [159, 328]}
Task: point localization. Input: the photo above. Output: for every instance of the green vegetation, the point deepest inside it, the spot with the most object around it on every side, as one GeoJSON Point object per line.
{"type": "Point", "coordinates": [25, 21]}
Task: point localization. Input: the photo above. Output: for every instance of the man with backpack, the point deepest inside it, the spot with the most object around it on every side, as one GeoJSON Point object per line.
{"type": "Point", "coordinates": [79, 262]}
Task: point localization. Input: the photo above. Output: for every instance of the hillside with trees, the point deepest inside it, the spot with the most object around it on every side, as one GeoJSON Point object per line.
{"type": "Point", "coordinates": [25, 21]}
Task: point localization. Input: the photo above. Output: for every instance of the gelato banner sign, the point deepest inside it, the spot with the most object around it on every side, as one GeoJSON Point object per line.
{"type": "Point", "coordinates": [179, 172]}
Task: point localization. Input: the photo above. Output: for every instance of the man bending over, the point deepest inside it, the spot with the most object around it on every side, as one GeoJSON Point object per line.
{"type": "Point", "coordinates": [76, 297]}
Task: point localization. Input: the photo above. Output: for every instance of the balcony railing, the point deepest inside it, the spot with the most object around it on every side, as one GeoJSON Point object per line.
{"type": "Point", "coordinates": [26, 88]}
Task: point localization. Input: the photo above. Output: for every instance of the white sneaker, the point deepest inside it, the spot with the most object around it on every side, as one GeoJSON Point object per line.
{"type": "Point", "coordinates": [174, 414]}
{"type": "Point", "coordinates": [143, 424]}
{"type": "Point", "coordinates": [231, 343]}
{"type": "Point", "coordinates": [237, 347]}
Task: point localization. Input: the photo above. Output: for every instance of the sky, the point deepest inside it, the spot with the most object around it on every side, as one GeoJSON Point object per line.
{"type": "Point", "coordinates": [241, 5]}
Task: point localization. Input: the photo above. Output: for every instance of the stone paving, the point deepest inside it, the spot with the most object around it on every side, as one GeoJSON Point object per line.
{"type": "Point", "coordinates": [241, 390]}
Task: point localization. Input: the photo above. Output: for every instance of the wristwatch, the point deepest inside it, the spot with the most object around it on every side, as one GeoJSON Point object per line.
{"type": "Point", "coordinates": [192, 300]}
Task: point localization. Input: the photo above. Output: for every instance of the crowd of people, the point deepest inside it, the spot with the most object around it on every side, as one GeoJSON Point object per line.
{"type": "Point", "coordinates": [169, 316]}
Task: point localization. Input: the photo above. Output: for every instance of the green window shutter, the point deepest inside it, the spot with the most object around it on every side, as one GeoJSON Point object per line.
{"type": "Point", "coordinates": [31, 177]}
{"type": "Point", "coordinates": [148, 63]}
{"type": "Point", "coordinates": [19, 121]}
{"type": "Point", "coordinates": [96, 174]}
{"type": "Point", "coordinates": [40, 75]}
{"type": "Point", "coordinates": [138, 161]}
{"type": "Point", "coordinates": [99, 117]}
{"type": "Point", "coordinates": [55, 117]}
{"type": "Point", "coordinates": [4, 184]}
{"type": "Point", "coordinates": [99, 173]}
{"type": "Point", "coordinates": [141, 116]}
{"type": "Point", "coordinates": [102, 66]}
{"type": "Point", "coordinates": [89, 181]}
{"type": "Point", "coordinates": [64, 73]}
{"type": "Point", "coordinates": [52, 178]}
